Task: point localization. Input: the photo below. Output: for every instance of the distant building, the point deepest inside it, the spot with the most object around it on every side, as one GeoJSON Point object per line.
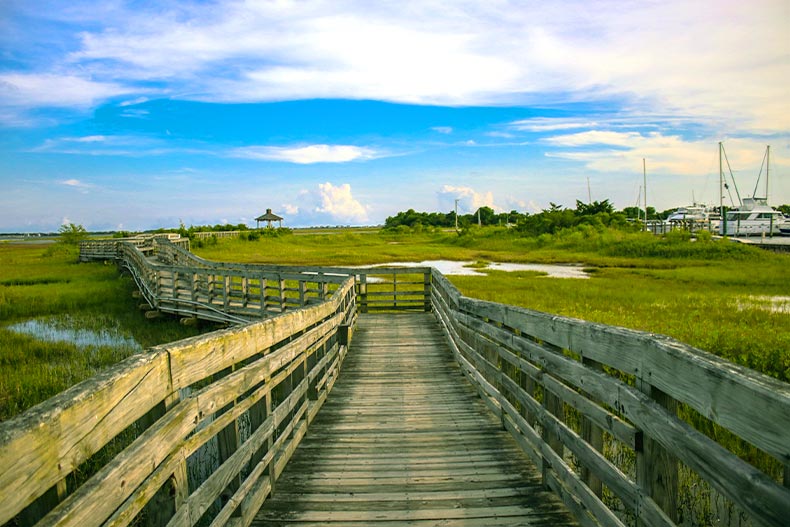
{"type": "Point", "coordinates": [269, 217]}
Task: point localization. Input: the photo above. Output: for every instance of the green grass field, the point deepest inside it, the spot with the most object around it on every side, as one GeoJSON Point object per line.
{"type": "Point", "coordinates": [698, 293]}
{"type": "Point", "coordinates": [702, 293]}
{"type": "Point", "coordinates": [46, 282]}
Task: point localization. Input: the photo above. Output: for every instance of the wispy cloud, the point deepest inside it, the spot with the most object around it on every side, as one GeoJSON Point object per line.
{"type": "Point", "coordinates": [549, 124]}
{"type": "Point", "coordinates": [305, 155]}
{"type": "Point", "coordinates": [443, 129]}
{"type": "Point", "coordinates": [76, 184]}
{"type": "Point", "coordinates": [54, 90]}
{"type": "Point", "coordinates": [607, 152]}
{"type": "Point", "coordinates": [465, 53]}
{"type": "Point", "coordinates": [107, 145]}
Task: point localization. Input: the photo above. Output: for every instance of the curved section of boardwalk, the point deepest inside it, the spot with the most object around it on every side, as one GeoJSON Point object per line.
{"type": "Point", "coordinates": [404, 440]}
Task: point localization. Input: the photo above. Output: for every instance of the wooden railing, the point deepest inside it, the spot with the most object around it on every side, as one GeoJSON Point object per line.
{"type": "Point", "coordinates": [173, 280]}
{"type": "Point", "coordinates": [574, 394]}
{"type": "Point", "coordinates": [198, 431]}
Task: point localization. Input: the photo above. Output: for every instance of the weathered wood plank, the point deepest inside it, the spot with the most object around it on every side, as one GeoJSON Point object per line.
{"type": "Point", "coordinates": [400, 442]}
{"type": "Point", "coordinates": [43, 445]}
{"type": "Point", "coordinates": [716, 388]}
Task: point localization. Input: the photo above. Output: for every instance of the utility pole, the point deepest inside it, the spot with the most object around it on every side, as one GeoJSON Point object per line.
{"type": "Point", "coordinates": [456, 214]}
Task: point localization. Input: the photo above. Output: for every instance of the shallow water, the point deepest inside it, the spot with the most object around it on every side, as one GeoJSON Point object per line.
{"type": "Point", "coordinates": [774, 304]}
{"type": "Point", "coordinates": [72, 330]}
{"type": "Point", "coordinates": [449, 267]}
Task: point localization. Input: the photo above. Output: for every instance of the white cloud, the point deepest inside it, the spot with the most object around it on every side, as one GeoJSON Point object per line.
{"type": "Point", "coordinates": [700, 58]}
{"type": "Point", "coordinates": [549, 124]}
{"type": "Point", "coordinates": [305, 155]}
{"type": "Point", "coordinates": [328, 205]}
{"type": "Point", "coordinates": [443, 129]}
{"type": "Point", "coordinates": [469, 200]}
{"type": "Point", "coordinates": [77, 184]}
{"type": "Point", "coordinates": [607, 151]}
{"type": "Point", "coordinates": [53, 90]}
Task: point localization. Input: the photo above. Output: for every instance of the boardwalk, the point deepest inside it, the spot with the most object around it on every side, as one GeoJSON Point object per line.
{"type": "Point", "coordinates": [404, 439]}
{"type": "Point", "coordinates": [387, 430]}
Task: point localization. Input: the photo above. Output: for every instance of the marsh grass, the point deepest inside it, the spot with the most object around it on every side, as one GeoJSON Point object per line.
{"type": "Point", "coordinates": [45, 283]}
{"type": "Point", "coordinates": [692, 291]}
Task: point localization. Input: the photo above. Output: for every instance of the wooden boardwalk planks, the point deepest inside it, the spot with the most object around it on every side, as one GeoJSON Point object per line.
{"type": "Point", "coordinates": [404, 440]}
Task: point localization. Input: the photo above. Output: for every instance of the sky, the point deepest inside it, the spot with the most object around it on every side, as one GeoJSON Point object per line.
{"type": "Point", "coordinates": [135, 115]}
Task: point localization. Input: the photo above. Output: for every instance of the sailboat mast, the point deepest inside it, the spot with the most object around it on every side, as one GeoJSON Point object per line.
{"type": "Point", "coordinates": [644, 183]}
{"type": "Point", "coordinates": [721, 185]}
{"type": "Point", "coordinates": [767, 169]}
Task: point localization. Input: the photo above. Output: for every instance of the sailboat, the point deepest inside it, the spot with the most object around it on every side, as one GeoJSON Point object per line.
{"type": "Point", "coordinates": [754, 217]}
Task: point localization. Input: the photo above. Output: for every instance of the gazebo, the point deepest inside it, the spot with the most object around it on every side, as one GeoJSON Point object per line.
{"type": "Point", "coordinates": [269, 217]}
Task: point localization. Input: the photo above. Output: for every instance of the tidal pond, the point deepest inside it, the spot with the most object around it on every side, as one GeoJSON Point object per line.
{"type": "Point", "coordinates": [449, 267]}
{"type": "Point", "coordinates": [76, 330]}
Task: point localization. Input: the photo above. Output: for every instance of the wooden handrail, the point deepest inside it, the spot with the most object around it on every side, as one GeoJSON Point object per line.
{"type": "Point", "coordinates": [123, 444]}
{"type": "Point", "coordinates": [162, 408]}
{"type": "Point", "coordinates": [532, 368]}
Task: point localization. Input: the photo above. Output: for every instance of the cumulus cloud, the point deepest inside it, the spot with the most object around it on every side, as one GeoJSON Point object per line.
{"type": "Point", "coordinates": [469, 200]}
{"type": "Point", "coordinates": [327, 205]}
{"type": "Point", "coordinates": [305, 155]}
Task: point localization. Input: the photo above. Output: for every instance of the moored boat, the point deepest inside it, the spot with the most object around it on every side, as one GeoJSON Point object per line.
{"type": "Point", "coordinates": [754, 218]}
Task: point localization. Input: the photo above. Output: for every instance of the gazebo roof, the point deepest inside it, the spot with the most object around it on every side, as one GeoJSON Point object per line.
{"type": "Point", "coordinates": [269, 216]}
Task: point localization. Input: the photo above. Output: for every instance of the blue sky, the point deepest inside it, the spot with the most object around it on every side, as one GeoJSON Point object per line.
{"type": "Point", "coordinates": [141, 114]}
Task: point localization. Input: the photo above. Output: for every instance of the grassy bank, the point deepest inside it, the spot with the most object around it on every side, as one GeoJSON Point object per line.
{"type": "Point", "coordinates": [46, 282]}
{"type": "Point", "coordinates": [699, 292]}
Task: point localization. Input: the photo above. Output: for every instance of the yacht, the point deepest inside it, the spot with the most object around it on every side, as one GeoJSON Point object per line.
{"type": "Point", "coordinates": [753, 218]}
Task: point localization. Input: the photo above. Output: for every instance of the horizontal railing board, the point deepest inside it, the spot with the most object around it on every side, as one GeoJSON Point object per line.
{"type": "Point", "coordinates": [44, 444]}
{"type": "Point", "coordinates": [716, 388]}
{"type": "Point", "coordinates": [724, 470]}
{"type": "Point", "coordinates": [74, 425]}
{"type": "Point", "coordinates": [520, 334]}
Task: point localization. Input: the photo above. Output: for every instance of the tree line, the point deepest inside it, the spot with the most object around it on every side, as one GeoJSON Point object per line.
{"type": "Point", "coordinates": [547, 221]}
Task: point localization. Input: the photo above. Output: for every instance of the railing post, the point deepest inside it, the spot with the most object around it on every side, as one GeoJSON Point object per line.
{"type": "Point", "coordinates": [363, 293]}
{"type": "Point", "coordinates": [592, 435]}
{"type": "Point", "coordinates": [657, 468]}
{"type": "Point", "coordinates": [395, 290]}
{"type": "Point", "coordinates": [170, 497]}
{"type": "Point", "coordinates": [554, 406]}
{"type": "Point", "coordinates": [228, 442]}
{"type": "Point", "coordinates": [427, 291]}
{"type": "Point", "coordinates": [263, 296]}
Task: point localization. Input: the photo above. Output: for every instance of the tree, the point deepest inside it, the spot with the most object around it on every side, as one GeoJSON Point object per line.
{"type": "Point", "coordinates": [72, 234]}
{"type": "Point", "coordinates": [596, 207]}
